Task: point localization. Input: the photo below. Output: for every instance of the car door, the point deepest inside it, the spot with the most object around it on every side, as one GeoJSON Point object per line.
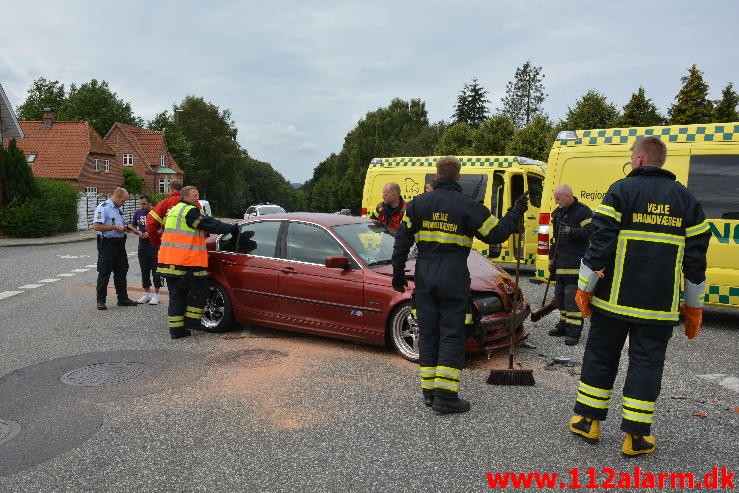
{"type": "Point", "coordinates": [251, 268]}
{"type": "Point", "coordinates": [318, 298]}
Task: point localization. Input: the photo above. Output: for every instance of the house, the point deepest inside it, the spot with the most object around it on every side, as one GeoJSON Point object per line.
{"type": "Point", "coordinates": [9, 127]}
{"type": "Point", "coordinates": [71, 151]}
{"type": "Point", "coordinates": [145, 151]}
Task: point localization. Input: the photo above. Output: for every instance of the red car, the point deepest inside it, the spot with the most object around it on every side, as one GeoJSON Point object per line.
{"type": "Point", "coordinates": [330, 274]}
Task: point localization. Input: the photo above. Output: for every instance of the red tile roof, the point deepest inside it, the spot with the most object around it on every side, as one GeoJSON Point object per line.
{"type": "Point", "coordinates": [150, 143]}
{"type": "Point", "coordinates": [61, 149]}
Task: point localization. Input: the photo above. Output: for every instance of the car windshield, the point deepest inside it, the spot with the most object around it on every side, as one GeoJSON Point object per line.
{"type": "Point", "coordinates": [372, 242]}
{"type": "Point", "coordinates": [270, 209]}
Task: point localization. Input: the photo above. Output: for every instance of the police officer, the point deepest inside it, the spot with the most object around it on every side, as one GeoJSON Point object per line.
{"type": "Point", "coordinates": [572, 227]}
{"type": "Point", "coordinates": [183, 260]}
{"type": "Point", "coordinates": [443, 224]}
{"type": "Point", "coordinates": [111, 237]}
{"type": "Point", "coordinates": [648, 229]}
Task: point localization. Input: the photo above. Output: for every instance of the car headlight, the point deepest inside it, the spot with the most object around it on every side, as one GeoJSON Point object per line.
{"type": "Point", "coordinates": [489, 304]}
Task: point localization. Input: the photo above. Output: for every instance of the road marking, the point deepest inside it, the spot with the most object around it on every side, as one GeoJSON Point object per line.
{"type": "Point", "coordinates": [8, 294]}
{"type": "Point", "coordinates": [30, 286]}
{"type": "Point", "coordinates": [93, 266]}
{"type": "Point", "coordinates": [727, 381]}
{"type": "Point", "coordinates": [80, 270]}
{"type": "Point", "coordinates": [72, 256]}
{"type": "Point", "coordinates": [49, 280]}
{"type": "Point", "coordinates": [66, 274]}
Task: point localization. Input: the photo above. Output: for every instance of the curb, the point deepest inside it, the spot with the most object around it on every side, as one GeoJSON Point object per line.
{"type": "Point", "coordinates": [51, 240]}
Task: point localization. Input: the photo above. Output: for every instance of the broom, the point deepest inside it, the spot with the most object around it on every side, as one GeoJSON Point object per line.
{"type": "Point", "coordinates": [511, 376]}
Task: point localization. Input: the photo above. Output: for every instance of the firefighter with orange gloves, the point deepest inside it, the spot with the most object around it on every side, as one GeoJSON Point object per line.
{"type": "Point", "coordinates": [648, 229]}
{"type": "Point", "coordinates": [183, 260]}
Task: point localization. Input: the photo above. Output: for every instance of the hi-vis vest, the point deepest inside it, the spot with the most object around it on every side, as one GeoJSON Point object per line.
{"type": "Point", "coordinates": [182, 245]}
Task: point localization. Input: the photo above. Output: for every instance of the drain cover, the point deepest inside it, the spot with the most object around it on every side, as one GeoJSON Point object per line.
{"type": "Point", "coordinates": [8, 429]}
{"type": "Point", "coordinates": [103, 374]}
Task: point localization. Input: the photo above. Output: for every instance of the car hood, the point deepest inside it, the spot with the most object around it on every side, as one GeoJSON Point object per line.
{"type": "Point", "coordinates": [484, 274]}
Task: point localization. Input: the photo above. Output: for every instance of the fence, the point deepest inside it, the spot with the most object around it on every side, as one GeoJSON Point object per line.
{"type": "Point", "coordinates": [89, 201]}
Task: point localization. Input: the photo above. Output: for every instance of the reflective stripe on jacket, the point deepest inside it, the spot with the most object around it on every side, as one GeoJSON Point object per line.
{"type": "Point", "coordinates": [182, 245]}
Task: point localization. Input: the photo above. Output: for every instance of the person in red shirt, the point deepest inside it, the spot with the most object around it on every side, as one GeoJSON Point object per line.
{"type": "Point", "coordinates": [392, 208]}
{"type": "Point", "coordinates": [155, 218]}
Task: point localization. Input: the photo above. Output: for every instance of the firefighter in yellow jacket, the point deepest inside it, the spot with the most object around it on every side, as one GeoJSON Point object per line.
{"type": "Point", "coordinates": [648, 230]}
{"type": "Point", "coordinates": [183, 260]}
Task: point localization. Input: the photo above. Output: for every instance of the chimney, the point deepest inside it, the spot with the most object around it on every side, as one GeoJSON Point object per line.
{"type": "Point", "coordinates": [49, 117]}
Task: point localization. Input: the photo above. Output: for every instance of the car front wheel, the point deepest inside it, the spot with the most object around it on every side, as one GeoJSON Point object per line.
{"type": "Point", "coordinates": [403, 331]}
{"type": "Point", "coordinates": [217, 313]}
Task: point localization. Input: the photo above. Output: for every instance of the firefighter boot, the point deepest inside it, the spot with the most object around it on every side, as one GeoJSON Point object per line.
{"type": "Point", "coordinates": [557, 331]}
{"type": "Point", "coordinates": [428, 397]}
{"type": "Point", "coordinates": [588, 428]}
{"type": "Point", "coordinates": [638, 444]}
{"type": "Point", "coordinates": [179, 333]}
{"type": "Point", "coordinates": [443, 405]}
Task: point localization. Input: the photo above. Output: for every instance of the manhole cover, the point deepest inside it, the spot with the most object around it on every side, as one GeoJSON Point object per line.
{"type": "Point", "coordinates": [250, 358]}
{"type": "Point", "coordinates": [103, 374]}
{"type": "Point", "coordinates": [8, 429]}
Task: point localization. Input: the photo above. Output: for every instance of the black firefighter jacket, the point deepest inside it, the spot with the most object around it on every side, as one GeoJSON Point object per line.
{"type": "Point", "coordinates": [571, 247]}
{"type": "Point", "coordinates": [648, 229]}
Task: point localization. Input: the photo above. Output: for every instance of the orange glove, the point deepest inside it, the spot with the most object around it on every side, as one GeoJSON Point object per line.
{"type": "Point", "coordinates": [582, 298]}
{"type": "Point", "coordinates": [693, 320]}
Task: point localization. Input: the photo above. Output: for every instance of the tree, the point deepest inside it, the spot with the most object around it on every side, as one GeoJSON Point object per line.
{"type": "Point", "coordinates": [42, 94]}
{"type": "Point", "coordinates": [524, 95]}
{"type": "Point", "coordinates": [17, 183]}
{"type": "Point", "coordinates": [177, 144]}
{"type": "Point", "coordinates": [471, 105]}
{"type": "Point", "coordinates": [640, 112]}
{"type": "Point", "coordinates": [457, 141]}
{"type": "Point", "coordinates": [691, 103]}
{"type": "Point", "coordinates": [534, 140]}
{"type": "Point", "coordinates": [132, 182]}
{"type": "Point", "coordinates": [726, 106]}
{"type": "Point", "coordinates": [493, 136]}
{"type": "Point", "coordinates": [95, 103]}
{"type": "Point", "coordinates": [591, 111]}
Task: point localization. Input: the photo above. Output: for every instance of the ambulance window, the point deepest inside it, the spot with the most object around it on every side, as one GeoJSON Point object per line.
{"type": "Point", "coordinates": [496, 199]}
{"type": "Point", "coordinates": [714, 181]}
{"type": "Point", "coordinates": [536, 189]}
{"type": "Point", "coordinates": [516, 186]}
{"type": "Point", "coordinates": [473, 186]}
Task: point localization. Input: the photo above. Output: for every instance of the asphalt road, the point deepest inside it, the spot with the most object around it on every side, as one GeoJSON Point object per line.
{"type": "Point", "coordinates": [263, 410]}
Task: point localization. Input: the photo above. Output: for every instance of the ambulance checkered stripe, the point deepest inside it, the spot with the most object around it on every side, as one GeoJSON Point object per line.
{"type": "Point", "coordinates": [717, 132]}
{"type": "Point", "coordinates": [430, 161]}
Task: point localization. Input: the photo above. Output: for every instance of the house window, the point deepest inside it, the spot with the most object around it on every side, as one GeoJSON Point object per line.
{"type": "Point", "coordinates": [161, 161]}
{"type": "Point", "coordinates": [107, 166]}
{"type": "Point", "coordinates": [128, 160]}
{"type": "Point", "coordinates": [97, 165]}
{"type": "Point", "coordinates": [91, 189]}
{"type": "Point", "coordinates": [162, 185]}
{"type": "Point", "coordinates": [31, 158]}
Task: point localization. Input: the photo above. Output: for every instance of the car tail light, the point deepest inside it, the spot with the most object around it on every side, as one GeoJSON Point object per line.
{"type": "Point", "coordinates": [364, 211]}
{"type": "Point", "coordinates": [543, 245]}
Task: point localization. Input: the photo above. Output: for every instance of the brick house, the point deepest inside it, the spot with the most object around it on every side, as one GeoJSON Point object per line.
{"type": "Point", "coordinates": [146, 152]}
{"type": "Point", "coordinates": [71, 151]}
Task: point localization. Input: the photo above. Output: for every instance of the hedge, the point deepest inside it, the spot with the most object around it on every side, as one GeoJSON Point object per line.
{"type": "Point", "coordinates": [53, 211]}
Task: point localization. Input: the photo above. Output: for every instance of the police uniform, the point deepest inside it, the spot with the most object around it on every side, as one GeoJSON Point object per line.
{"type": "Point", "coordinates": [442, 224]}
{"type": "Point", "coordinates": [112, 256]}
{"type": "Point", "coordinates": [572, 227]}
{"type": "Point", "coordinates": [648, 229]}
{"type": "Point", "coordinates": [183, 260]}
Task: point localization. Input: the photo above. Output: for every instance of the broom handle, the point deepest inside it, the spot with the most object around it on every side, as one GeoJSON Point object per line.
{"type": "Point", "coordinates": [515, 293]}
{"type": "Point", "coordinates": [549, 279]}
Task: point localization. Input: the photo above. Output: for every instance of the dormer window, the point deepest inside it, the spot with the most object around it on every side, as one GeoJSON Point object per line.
{"type": "Point", "coordinates": [128, 160]}
{"type": "Point", "coordinates": [31, 158]}
{"type": "Point", "coordinates": [161, 161]}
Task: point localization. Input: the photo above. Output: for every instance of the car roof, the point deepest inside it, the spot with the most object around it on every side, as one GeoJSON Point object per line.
{"type": "Point", "coordinates": [324, 219]}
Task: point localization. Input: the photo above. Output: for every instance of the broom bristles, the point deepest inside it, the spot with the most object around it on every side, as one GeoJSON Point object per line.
{"type": "Point", "coordinates": [511, 377]}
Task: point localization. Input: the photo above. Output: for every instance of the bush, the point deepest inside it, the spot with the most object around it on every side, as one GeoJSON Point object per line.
{"type": "Point", "coordinates": [60, 198]}
{"type": "Point", "coordinates": [52, 211]}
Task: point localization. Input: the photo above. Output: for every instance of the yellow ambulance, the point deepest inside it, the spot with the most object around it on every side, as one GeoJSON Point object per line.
{"type": "Point", "coordinates": [495, 181]}
{"type": "Point", "coordinates": [704, 157]}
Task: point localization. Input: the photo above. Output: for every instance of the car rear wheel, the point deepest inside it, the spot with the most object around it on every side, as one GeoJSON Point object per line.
{"type": "Point", "coordinates": [403, 331]}
{"type": "Point", "coordinates": [217, 313]}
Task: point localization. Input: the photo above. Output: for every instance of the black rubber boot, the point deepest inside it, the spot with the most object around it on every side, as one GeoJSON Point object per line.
{"type": "Point", "coordinates": [443, 405]}
{"type": "Point", "coordinates": [179, 333]}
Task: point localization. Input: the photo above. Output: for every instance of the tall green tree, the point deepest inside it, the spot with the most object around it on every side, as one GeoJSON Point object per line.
{"type": "Point", "coordinates": [592, 110]}
{"type": "Point", "coordinates": [726, 107]}
{"type": "Point", "coordinates": [456, 141]}
{"type": "Point", "coordinates": [493, 136]}
{"type": "Point", "coordinates": [177, 144]}
{"type": "Point", "coordinates": [42, 94]}
{"type": "Point", "coordinates": [691, 103]}
{"type": "Point", "coordinates": [471, 107]}
{"type": "Point", "coordinates": [534, 140]}
{"type": "Point", "coordinates": [640, 111]}
{"type": "Point", "coordinates": [17, 183]}
{"type": "Point", "coordinates": [95, 103]}
{"type": "Point", "coordinates": [132, 182]}
{"type": "Point", "coordinates": [524, 95]}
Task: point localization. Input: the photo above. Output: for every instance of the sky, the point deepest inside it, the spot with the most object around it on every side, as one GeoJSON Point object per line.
{"type": "Point", "coordinates": [297, 76]}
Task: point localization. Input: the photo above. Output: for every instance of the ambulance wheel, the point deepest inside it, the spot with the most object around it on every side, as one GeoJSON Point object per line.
{"type": "Point", "coordinates": [217, 313]}
{"type": "Point", "coordinates": [403, 331]}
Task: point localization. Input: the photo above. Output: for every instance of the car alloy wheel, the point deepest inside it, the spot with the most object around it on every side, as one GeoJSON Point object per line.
{"type": "Point", "coordinates": [404, 332]}
{"type": "Point", "coordinates": [217, 314]}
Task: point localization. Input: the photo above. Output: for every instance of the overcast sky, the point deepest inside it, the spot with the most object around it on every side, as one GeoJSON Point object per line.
{"type": "Point", "coordinates": [298, 75]}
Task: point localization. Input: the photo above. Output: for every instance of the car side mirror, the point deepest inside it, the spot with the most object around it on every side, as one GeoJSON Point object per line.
{"type": "Point", "coordinates": [337, 262]}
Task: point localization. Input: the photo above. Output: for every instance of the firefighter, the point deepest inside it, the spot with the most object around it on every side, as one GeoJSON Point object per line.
{"type": "Point", "coordinates": [392, 208]}
{"type": "Point", "coordinates": [648, 229]}
{"type": "Point", "coordinates": [572, 227]}
{"type": "Point", "coordinates": [443, 224]}
{"type": "Point", "coordinates": [183, 260]}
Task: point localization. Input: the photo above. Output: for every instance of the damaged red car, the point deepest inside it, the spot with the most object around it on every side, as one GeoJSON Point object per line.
{"type": "Point", "coordinates": [330, 275]}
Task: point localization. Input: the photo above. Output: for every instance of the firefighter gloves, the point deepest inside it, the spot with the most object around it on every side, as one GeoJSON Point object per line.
{"type": "Point", "coordinates": [399, 282]}
{"type": "Point", "coordinates": [522, 202]}
{"type": "Point", "coordinates": [582, 299]}
{"type": "Point", "coordinates": [693, 320]}
{"type": "Point", "coordinates": [564, 229]}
